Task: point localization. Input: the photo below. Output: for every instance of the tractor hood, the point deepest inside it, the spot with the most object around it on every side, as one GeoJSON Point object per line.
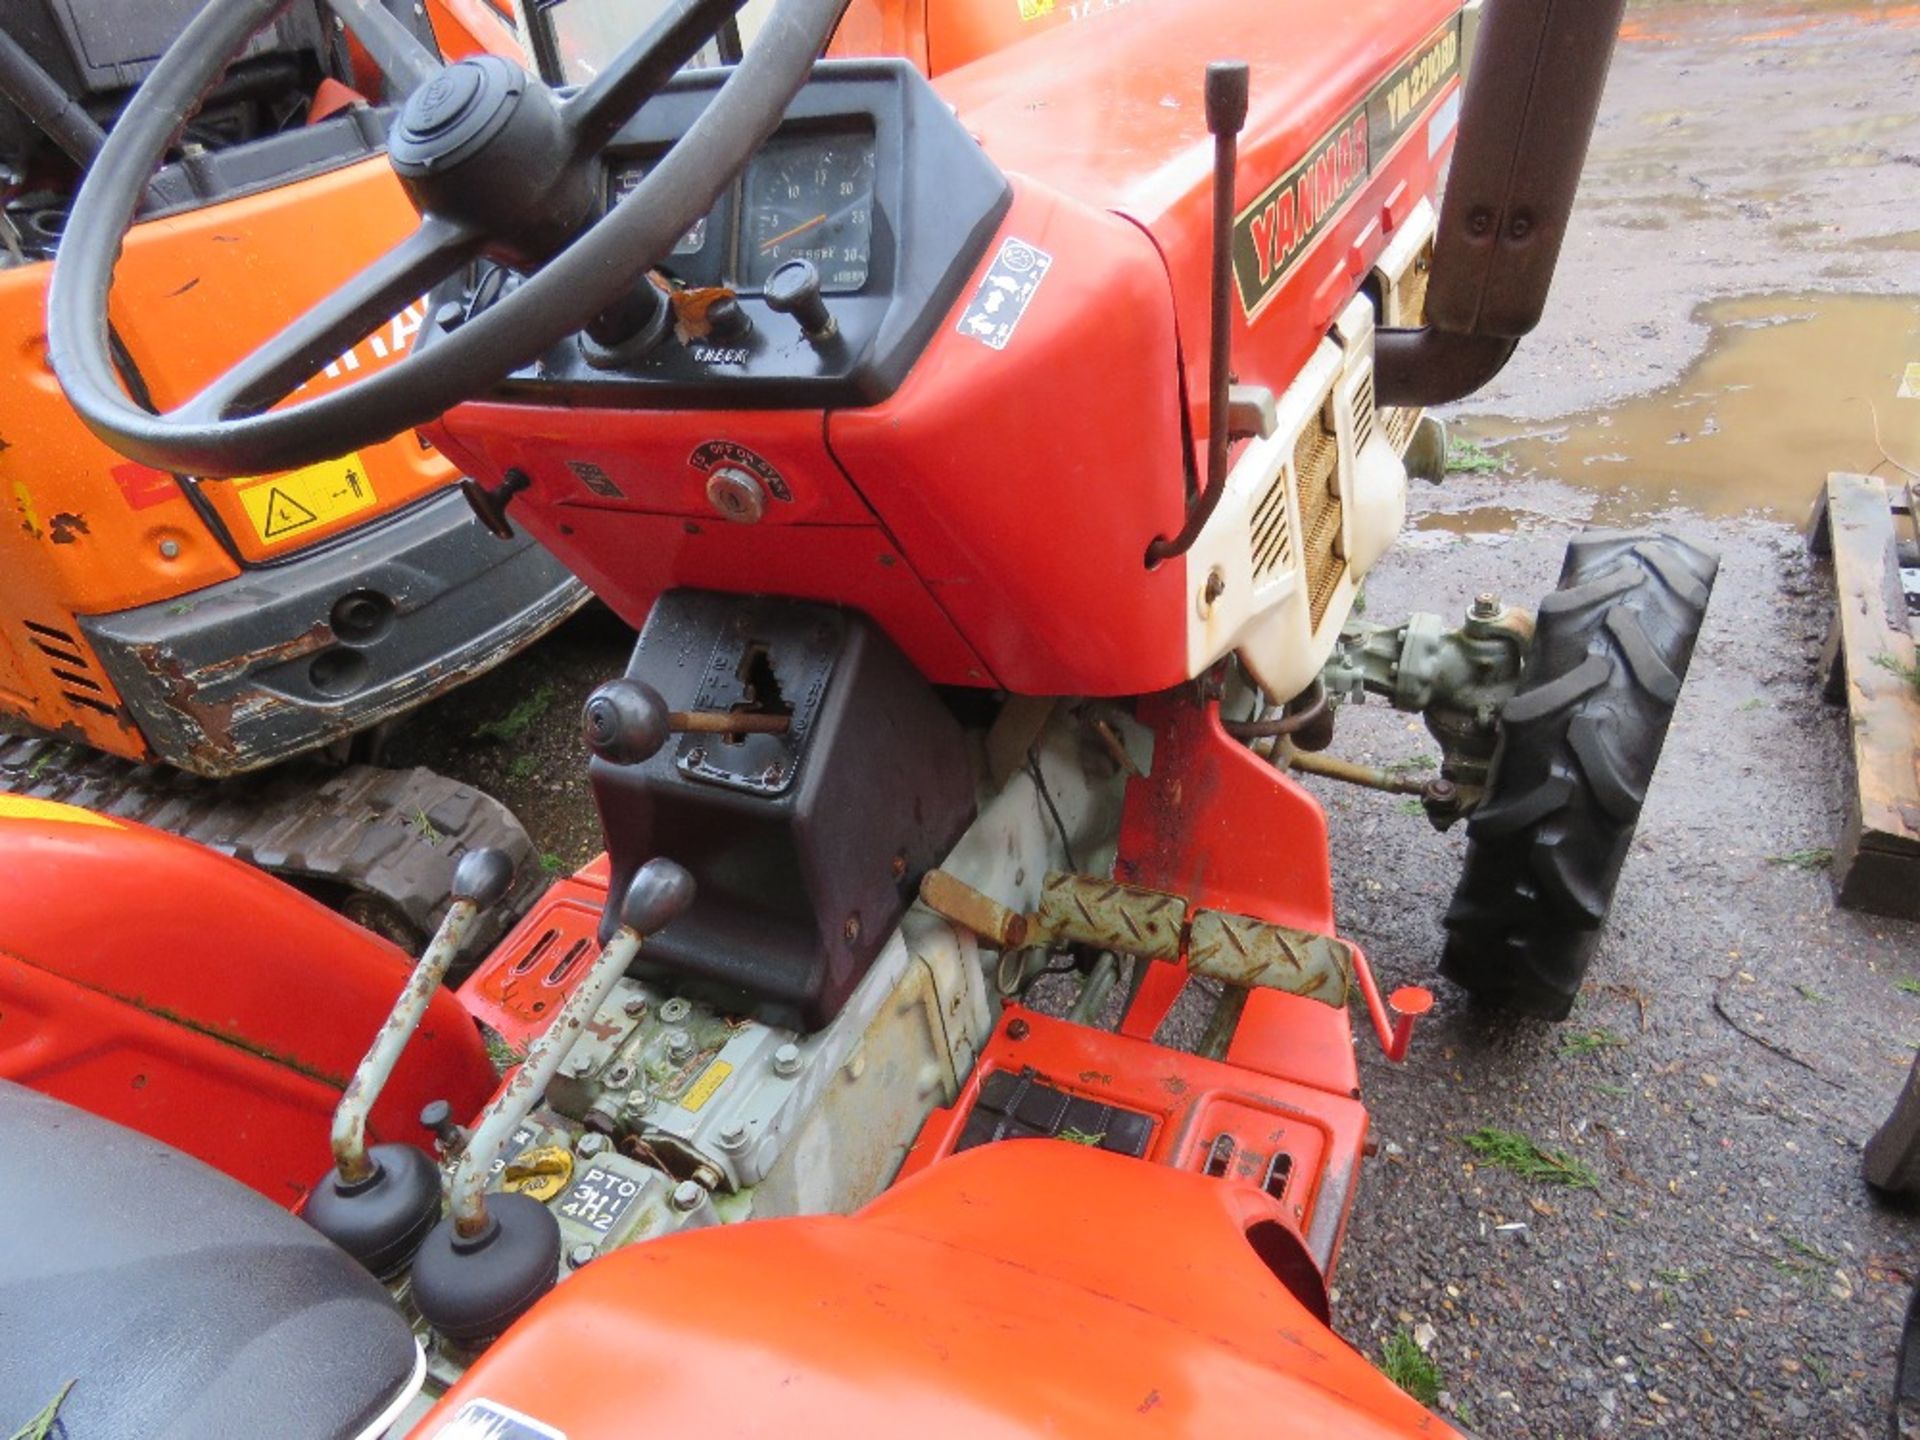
{"type": "Point", "coordinates": [1030, 1288]}
{"type": "Point", "coordinates": [1352, 114]}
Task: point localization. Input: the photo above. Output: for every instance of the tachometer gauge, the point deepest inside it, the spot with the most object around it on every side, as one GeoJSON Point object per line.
{"type": "Point", "coordinates": [810, 197]}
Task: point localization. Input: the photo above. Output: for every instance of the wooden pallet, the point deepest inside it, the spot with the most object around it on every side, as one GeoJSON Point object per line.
{"type": "Point", "coordinates": [1870, 663]}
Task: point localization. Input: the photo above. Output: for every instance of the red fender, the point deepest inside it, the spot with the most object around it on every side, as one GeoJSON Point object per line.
{"type": "Point", "coordinates": [196, 999]}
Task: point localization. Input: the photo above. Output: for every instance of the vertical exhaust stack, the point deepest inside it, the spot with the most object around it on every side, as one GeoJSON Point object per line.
{"type": "Point", "coordinates": [1526, 116]}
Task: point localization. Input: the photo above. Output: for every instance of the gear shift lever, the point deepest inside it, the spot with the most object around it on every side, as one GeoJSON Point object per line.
{"type": "Point", "coordinates": [492, 1257]}
{"type": "Point", "coordinates": [377, 1204]}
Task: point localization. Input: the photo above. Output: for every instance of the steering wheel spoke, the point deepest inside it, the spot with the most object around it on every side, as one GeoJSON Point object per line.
{"type": "Point", "coordinates": [435, 250]}
{"type": "Point", "coordinates": [406, 63]}
{"type": "Point", "coordinates": [596, 111]}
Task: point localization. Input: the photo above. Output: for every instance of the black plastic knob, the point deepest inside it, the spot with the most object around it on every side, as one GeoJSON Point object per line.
{"type": "Point", "coordinates": [625, 722]}
{"type": "Point", "coordinates": [483, 876]}
{"type": "Point", "coordinates": [629, 328]}
{"type": "Point", "coordinates": [437, 1116]}
{"type": "Point", "coordinates": [727, 320]}
{"type": "Point", "coordinates": [658, 894]}
{"type": "Point", "coordinates": [1227, 87]}
{"type": "Point", "coordinates": [794, 289]}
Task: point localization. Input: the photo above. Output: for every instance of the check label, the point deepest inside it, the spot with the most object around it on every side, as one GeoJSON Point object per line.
{"type": "Point", "coordinates": [287, 506]}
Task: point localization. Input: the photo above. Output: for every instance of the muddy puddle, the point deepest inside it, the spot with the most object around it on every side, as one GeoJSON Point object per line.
{"type": "Point", "coordinates": [1789, 388]}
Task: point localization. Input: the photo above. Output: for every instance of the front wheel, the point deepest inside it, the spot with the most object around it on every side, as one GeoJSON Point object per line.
{"type": "Point", "coordinates": [1576, 749]}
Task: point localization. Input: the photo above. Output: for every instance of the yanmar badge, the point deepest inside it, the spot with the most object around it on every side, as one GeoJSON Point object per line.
{"type": "Point", "coordinates": [1272, 234]}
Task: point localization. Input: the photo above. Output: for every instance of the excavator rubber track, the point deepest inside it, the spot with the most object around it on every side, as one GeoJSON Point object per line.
{"type": "Point", "coordinates": [379, 845]}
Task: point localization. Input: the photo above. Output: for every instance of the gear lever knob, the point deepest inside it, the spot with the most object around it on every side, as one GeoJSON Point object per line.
{"type": "Point", "coordinates": [625, 722]}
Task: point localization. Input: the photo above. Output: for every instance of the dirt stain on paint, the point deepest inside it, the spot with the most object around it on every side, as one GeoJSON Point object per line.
{"type": "Point", "coordinates": [1788, 389]}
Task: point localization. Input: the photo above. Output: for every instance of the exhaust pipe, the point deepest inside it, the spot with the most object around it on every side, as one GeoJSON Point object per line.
{"type": "Point", "coordinates": [1526, 117]}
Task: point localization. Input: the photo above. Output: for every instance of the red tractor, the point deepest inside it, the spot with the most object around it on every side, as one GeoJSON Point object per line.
{"type": "Point", "coordinates": [990, 465]}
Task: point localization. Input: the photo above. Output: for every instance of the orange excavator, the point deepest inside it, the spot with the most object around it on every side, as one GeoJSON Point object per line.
{"type": "Point", "coordinates": [160, 630]}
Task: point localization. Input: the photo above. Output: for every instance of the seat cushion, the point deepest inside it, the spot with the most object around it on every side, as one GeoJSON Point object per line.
{"type": "Point", "coordinates": [176, 1301]}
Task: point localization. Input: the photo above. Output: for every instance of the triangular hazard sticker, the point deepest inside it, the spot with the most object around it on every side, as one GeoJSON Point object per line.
{"type": "Point", "coordinates": [284, 514]}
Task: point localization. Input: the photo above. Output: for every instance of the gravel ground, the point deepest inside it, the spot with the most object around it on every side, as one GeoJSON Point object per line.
{"type": "Point", "coordinates": [1726, 1273]}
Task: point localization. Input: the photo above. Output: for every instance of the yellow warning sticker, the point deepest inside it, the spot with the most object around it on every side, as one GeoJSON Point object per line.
{"type": "Point", "coordinates": [287, 505]}
{"type": "Point", "coordinates": [1034, 9]}
{"type": "Point", "coordinates": [711, 1079]}
{"type": "Point", "coordinates": [22, 807]}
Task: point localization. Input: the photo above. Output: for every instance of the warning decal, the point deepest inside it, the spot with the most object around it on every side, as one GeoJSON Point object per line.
{"type": "Point", "coordinates": [285, 506]}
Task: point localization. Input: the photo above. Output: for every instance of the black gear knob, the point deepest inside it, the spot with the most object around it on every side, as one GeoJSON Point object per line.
{"type": "Point", "coordinates": [625, 722]}
{"type": "Point", "coordinates": [659, 893]}
{"type": "Point", "coordinates": [483, 876]}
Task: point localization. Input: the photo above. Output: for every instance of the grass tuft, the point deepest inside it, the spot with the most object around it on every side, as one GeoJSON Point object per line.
{"type": "Point", "coordinates": [1816, 858]}
{"type": "Point", "coordinates": [521, 718]}
{"type": "Point", "coordinates": [1403, 1362]}
{"type": "Point", "coordinates": [1590, 1042]}
{"type": "Point", "coordinates": [1465, 457]}
{"type": "Point", "coordinates": [1511, 1150]}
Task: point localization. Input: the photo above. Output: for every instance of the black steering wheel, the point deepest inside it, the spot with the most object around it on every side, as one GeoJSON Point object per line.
{"type": "Point", "coordinates": [496, 163]}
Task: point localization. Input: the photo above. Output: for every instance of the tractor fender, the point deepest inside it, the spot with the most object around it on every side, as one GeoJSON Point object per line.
{"type": "Point", "coordinates": [181, 993]}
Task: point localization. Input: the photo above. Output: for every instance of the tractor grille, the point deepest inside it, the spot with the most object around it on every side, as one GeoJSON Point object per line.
{"type": "Point", "coordinates": [1316, 467]}
{"type": "Point", "coordinates": [79, 683]}
{"type": "Point", "coordinates": [1410, 312]}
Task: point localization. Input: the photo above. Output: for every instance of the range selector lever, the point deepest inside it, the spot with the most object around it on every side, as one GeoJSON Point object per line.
{"type": "Point", "coordinates": [626, 722]}
{"type": "Point", "coordinates": [794, 289]}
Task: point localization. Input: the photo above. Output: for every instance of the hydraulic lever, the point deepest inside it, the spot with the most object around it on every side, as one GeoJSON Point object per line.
{"type": "Point", "coordinates": [491, 1258]}
{"type": "Point", "coordinates": [378, 1204]}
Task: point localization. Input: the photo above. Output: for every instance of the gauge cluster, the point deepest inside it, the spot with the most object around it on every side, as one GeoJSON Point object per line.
{"type": "Point", "coordinates": [808, 195]}
{"type": "Point", "coordinates": [870, 180]}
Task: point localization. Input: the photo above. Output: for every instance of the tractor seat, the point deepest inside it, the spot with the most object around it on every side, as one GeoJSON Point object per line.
{"type": "Point", "coordinates": [164, 1299]}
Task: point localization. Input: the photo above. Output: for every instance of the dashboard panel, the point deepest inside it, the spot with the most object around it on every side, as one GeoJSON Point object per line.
{"type": "Point", "coordinates": [869, 177]}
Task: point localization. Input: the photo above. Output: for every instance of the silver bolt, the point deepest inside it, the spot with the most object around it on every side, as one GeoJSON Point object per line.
{"type": "Point", "coordinates": [733, 1136]}
{"type": "Point", "coordinates": [675, 1010]}
{"type": "Point", "coordinates": [688, 1194]}
{"type": "Point", "coordinates": [1486, 606]}
{"type": "Point", "coordinates": [580, 1254]}
{"type": "Point", "coordinates": [591, 1144]}
{"type": "Point", "coordinates": [679, 1045]}
{"type": "Point", "coordinates": [636, 1099]}
{"type": "Point", "coordinates": [786, 1060]}
{"type": "Point", "coordinates": [170, 549]}
{"type": "Point", "coordinates": [580, 1065]}
{"type": "Point", "coordinates": [619, 1075]}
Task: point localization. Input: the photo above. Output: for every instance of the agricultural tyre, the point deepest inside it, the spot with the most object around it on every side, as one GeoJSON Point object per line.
{"type": "Point", "coordinates": [1575, 752]}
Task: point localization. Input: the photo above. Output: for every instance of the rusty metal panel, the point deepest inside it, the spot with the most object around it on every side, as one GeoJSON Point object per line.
{"type": "Point", "coordinates": [1258, 955]}
{"type": "Point", "coordinates": [1112, 916]}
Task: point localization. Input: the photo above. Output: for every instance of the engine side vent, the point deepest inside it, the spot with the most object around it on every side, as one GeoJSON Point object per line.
{"type": "Point", "coordinates": [1272, 539]}
{"type": "Point", "coordinates": [1363, 411]}
{"type": "Point", "coordinates": [79, 683]}
{"type": "Point", "coordinates": [1316, 468]}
